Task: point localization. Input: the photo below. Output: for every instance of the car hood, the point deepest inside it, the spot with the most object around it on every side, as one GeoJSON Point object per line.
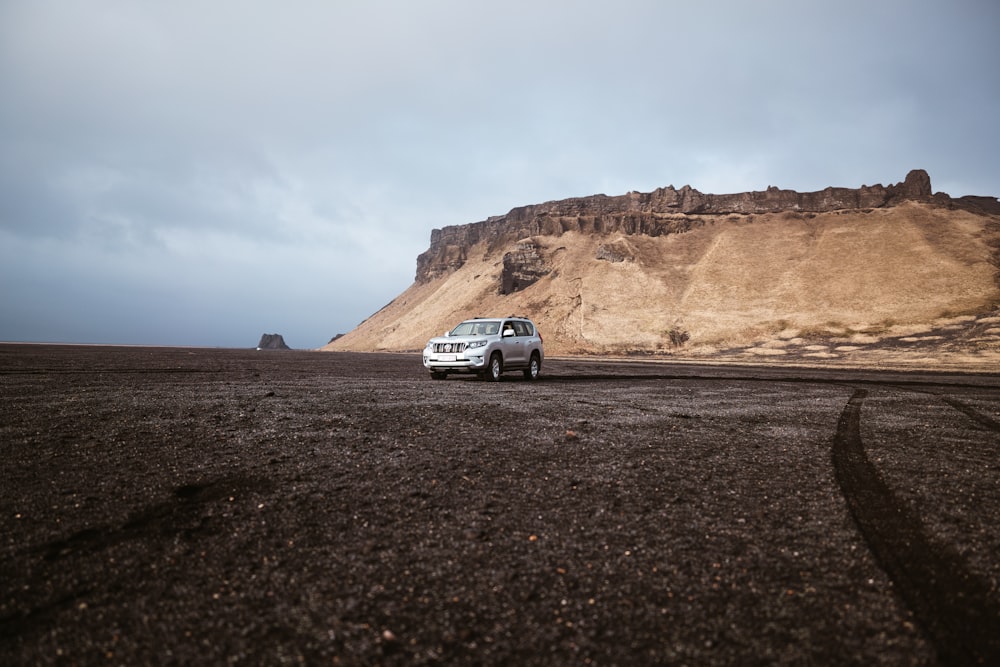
{"type": "Point", "coordinates": [453, 339]}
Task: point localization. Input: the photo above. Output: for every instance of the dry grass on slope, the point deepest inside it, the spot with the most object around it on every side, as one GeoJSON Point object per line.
{"type": "Point", "coordinates": [752, 283]}
{"type": "Point", "coordinates": [857, 270]}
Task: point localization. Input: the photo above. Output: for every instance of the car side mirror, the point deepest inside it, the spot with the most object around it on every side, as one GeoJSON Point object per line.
{"type": "Point", "coordinates": [446, 334]}
{"type": "Point", "coordinates": [508, 332]}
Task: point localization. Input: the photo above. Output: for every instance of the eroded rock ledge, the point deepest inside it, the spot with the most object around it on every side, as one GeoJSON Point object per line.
{"type": "Point", "coordinates": [663, 211]}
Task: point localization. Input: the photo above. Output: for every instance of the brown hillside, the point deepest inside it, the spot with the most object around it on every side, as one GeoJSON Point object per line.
{"type": "Point", "coordinates": [912, 276]}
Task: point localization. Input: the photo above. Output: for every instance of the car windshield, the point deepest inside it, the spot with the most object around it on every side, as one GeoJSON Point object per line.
{"type": "Point", "coordinates": [476, 328]}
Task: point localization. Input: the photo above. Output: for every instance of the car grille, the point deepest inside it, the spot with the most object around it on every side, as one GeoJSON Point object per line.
{"type": "Point", "coordinates": [449, 347]}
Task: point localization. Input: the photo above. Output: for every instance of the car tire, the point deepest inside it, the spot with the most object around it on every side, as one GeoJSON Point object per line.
{"type": "Point", "coordinates": [439, 376]}
{"type": "Point", "coordinates": [495, 368]}
{"type": "Point", "coordinates": [534, 367]}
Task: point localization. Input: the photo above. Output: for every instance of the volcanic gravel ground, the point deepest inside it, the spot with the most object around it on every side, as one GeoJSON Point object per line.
{"type": "Point", "coordinates": [168, 506]}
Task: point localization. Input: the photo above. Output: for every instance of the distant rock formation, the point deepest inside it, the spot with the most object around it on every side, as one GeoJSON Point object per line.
{"type": "Point", "coordinates": [272, 342]}
{"type": "Point", "coordinates": [658, 213]}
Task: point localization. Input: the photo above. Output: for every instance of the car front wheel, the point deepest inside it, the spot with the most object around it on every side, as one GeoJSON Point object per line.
{"type": "Point", "coordinates": [495, 368]}
{"type": "Point", "coordinates": [534, 367]}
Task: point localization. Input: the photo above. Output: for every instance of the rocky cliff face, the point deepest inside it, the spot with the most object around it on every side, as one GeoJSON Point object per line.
{"type": "Point", "coordinates": [522, 267]}
{"type": "Point", "coordinates": [661, 212]}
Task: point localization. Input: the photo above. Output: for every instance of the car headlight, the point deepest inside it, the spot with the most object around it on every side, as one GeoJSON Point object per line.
{"type": "Point", "coordinates": [474, 344]}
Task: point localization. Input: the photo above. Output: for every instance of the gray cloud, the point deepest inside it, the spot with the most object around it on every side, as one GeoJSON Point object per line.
{"type": "Point", "coordinates": [197, 173]}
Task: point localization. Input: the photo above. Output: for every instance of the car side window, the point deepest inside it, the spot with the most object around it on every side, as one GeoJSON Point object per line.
{"type": "Point", "coordinates": [520, 329]}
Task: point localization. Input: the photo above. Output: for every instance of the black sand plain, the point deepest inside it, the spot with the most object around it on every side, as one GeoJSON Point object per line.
{"type": "Point", "coordinates": [199, 506]}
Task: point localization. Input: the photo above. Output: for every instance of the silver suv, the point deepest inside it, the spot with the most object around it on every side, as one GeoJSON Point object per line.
{"type": "Point", "coordinates": [487, 346]}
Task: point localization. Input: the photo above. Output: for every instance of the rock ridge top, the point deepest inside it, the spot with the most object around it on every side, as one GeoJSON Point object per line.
{"type": "Point", "coordinates": [667, 211]}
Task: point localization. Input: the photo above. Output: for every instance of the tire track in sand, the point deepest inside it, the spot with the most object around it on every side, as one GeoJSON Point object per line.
{"type": "Point", "coordinates": [973, 414]}
{"type": "Point", "coordinates": [950, 601]}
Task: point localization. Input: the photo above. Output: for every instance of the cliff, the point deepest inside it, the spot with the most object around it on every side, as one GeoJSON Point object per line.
{"type": "Point", "coordinates": [678, 271]}
{"type": "Point", "coordinates": [666, 211]}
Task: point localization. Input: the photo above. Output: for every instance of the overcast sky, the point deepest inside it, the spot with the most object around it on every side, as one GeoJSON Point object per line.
{"type": "Point", "coordinates": [202, 172]}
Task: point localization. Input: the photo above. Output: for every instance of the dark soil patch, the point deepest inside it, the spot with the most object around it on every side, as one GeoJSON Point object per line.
{"type": "Point", "coordinates": [951, 601]}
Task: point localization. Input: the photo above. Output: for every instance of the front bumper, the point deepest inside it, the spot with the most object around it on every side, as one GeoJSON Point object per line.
{"type": "Point", "coordinates": [461, 362]}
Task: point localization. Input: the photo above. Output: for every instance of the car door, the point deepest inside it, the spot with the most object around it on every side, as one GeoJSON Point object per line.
{"type": "Point", "coordinates": [512, 345]}
{"type": "Point", "coordinates": [531, 340]}
{"type": "Point", "coordinates": [525, 334]}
